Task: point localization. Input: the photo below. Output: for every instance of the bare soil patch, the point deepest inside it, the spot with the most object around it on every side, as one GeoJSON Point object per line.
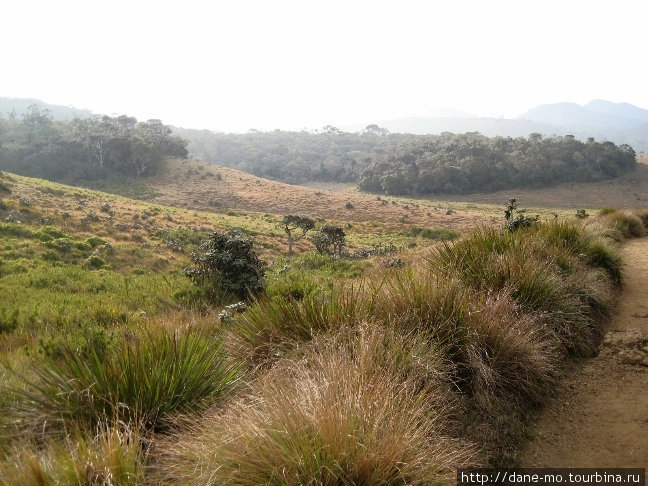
{"type": "Point", "coordinates": [599, 416]}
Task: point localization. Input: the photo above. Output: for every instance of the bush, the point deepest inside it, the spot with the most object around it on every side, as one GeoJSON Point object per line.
{"type": "Point", "coordinates": [274, 327]}
{"type": "Point", "coordinates": [544, 277]}
{"type": "Point", "coordinates": [143, 382]}
{"type": "Point", "coordinates": [228, 261]}
{"type": "Point", "coordinates": [520, 220]}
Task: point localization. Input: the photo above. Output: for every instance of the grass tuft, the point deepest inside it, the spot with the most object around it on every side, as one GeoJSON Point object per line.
{"type": "Point", "coordinates": [345, 414]}
{"type": "Point", "coordinates": [143, 381]}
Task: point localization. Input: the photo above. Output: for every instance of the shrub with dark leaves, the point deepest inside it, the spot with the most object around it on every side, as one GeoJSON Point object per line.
{"type": "Point", "coordinates": [230, 262]}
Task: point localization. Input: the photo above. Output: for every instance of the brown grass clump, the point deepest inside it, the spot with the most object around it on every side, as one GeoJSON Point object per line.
{"type": "Point", "coordinates": [359, 408]}
{"type": "Point", "coordinates": [509, 355]}
{"type": "Point", "coordinates": [114, 456]}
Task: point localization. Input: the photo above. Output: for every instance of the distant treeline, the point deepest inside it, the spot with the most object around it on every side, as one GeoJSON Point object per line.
{"type": "Point", "coordinates": [84, 149]}
{"type": "Point", "coordinates": [293, 157]}
{"type": "Point", "coordinates": [460, 164]}
{"type": "Point", "coordinates": [404, 164]}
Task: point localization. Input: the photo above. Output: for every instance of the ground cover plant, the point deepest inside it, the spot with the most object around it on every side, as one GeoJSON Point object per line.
{"type": "Point", "coordinates": [340, 371]}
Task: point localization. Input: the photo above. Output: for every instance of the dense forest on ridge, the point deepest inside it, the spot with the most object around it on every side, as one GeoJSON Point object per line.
{"type": "Point", "coordinates": [405, 164]}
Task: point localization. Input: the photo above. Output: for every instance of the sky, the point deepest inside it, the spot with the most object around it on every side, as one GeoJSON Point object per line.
{"type": "Point", "coordinates": [237, 65]}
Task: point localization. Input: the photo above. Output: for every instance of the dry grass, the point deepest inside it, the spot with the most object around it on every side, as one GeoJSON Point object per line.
{"type": "Point", "coordinates": [112, 457]}
{"type": "Point", "coordinates": [360, 408]}
{"type": "Point", "coordinates": [630, 191]}
{"type": "Point", "coordinates": [194, 184]}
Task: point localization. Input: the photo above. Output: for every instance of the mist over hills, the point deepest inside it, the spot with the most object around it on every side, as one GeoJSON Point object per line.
{"type": "Point", "coordinates": [621, 123]}
{"type": "Point", "coordinates": [20, 106]}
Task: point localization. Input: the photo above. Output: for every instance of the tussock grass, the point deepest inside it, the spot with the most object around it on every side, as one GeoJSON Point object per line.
{"type": "Point", "coordinates": [349, 412]}
{"type": "Point", "coordinates": [143, 381]}
{"type": "Point", "coordinates": [543, 271]}
{"type": "Point", "coordinates": [274, 327]}
{"type": "Point", "coordinates": [113, 456]}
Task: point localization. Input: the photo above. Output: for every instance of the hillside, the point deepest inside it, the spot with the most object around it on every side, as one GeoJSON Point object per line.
{"type": "Point", "coordinates": [194, 184]}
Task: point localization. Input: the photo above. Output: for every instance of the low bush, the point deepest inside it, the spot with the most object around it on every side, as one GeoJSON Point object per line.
{"type": "Point", "coordinates": [230, 262]}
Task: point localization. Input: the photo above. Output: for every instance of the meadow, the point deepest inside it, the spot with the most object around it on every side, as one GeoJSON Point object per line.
{"type": "Point", "coordinates": [393, 369]}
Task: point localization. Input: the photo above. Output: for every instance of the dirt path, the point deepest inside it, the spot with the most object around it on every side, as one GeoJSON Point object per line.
{"type": "Point", "coordinates": [599, 417]}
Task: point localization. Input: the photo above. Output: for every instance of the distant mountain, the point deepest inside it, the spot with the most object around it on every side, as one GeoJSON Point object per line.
{"type": "Point", "coordinates": [621, 123]}
{"type": "Point", "coordinates": [596, 114]}
{"type": "Point", "coordinates": [20, 106]}
{"type": "Point", "coordinates": [617, 122]}
{"type": "Point", "coordinates": [621, 110]}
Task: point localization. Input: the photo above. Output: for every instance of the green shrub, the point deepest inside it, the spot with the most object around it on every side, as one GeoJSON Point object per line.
{"type": "Point", "coordinates": [95, 241]}
{"type": "Point", "coordinates": [15, 230]}
{"type": "Point", "coordinates": [94, 263]}
{"type": "Point", "coordinates": [47, 233]}
{"type": "Point", "coordinates": [51, 256]}
{"type": "Point", "coordinates": [144, 380]}
{"type": "Point", "coordinates": [516, 218]}
{"type": "Point", "coordinates": [8, 320]}
{"type": "Point", "coordinates": [228, 261]}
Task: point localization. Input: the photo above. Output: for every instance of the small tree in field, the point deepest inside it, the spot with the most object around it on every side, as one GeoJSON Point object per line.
{"type": "Point", "coordinates": [330, 239]}
{"type": "Point", "coordinates": [516, 218]}
{"type": "Point", "coordinates": [228, 261]}
{"type": "Point", "coordinates": [291, 223]}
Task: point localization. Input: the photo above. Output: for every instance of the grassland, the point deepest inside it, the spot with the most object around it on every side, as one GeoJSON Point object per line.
{"type": "Point", "coordinates": [343, 372]}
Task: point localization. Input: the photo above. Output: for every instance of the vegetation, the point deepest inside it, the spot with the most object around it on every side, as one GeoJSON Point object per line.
{"type": "Point", "coordinates": [339, 370]}
{"type": "Point", "coordinates": [140, 382]}
{"type": "Point", "coordinates": [85, 149]}
{"type": "Point", "coordinates": [292, 222]}
{"type": "Point", "coordinates": [228, 262]}
{"type": "Point", "coordinates": [401, 164]}
{"type": "Point", "coordinates": [451, 164]}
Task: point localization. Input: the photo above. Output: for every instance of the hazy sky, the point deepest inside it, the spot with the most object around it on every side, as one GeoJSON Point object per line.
{"type": "Point", "coordinates": [236, 64]}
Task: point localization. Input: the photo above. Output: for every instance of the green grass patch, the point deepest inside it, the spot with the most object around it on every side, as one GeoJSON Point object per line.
{"type": "Point", "coordinates": [143, 381]}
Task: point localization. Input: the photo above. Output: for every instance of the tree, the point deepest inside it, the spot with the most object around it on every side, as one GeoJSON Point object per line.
{"type": "Point", "coordinates": [330, 239]}
{"type": "Point", "coordinates": [376, 130]}
{"type": "Point", "coordinates": [228, 261]}
{"type": "Point", "coordinates": [290, 223]}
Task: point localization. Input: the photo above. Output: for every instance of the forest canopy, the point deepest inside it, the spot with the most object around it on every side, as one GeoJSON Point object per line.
{"type": "Point", "coordinates": [404, 164]}
{"type": "Point", "coordinates": [460, 164]}
{"type": "Point", "coordinates": [85, 149]}
{"type": "Point", "coordinates": [101, 147]}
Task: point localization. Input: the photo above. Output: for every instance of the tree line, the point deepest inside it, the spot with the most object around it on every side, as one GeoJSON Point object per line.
{"type": "Point", "coordinates": [460, 164]}
{"type": "Point", "coordinates": [405, 164]}
{"type": "Point", "coordinates": [85, 149]}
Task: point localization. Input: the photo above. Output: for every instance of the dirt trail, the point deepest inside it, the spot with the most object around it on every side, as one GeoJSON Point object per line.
{"type": "Point", "coordinates": [599, 416]}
